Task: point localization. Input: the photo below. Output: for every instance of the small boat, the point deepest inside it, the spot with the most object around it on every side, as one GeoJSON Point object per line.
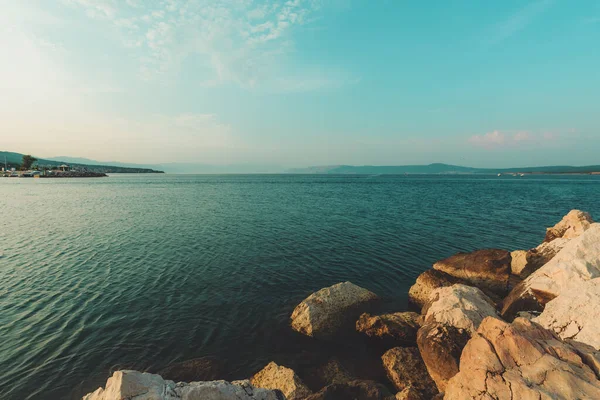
{"type": "Point", "coordinates": [499, 174]}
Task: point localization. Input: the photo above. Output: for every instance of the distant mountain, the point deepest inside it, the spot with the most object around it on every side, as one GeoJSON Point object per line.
{"type": "Point", "coordinates": [14, 160]}
{"type": "Point", "coordinates": [439, 169]}
{"type": "Point", "coordinates": [393, 169]}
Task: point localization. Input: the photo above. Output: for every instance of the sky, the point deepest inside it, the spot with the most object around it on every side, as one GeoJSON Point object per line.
{"type": "Point", "coordinates": [302, 82]}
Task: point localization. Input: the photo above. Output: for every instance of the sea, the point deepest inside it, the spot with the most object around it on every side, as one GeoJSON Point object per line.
{"type": "Point", "coordinates": [142, 271]}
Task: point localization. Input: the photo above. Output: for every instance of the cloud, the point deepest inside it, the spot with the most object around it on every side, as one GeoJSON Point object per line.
{"type": "Point", "coordinates": [239, 41]}
{"type": "Point", "coordinates": [489, 140]}
{"type": "Point", "coordinates": [512, 139]}
{"type": "Point", "coordinates": [518, 21]}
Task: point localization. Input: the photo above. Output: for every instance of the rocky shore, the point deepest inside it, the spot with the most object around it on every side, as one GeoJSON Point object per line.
{"type": "Point", "coordinates": [490, 324]}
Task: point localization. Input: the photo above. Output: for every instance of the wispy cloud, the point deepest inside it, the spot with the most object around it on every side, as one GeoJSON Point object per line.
{"type": "Point", "coordinates": [518, 21]}
{"type": "Point", "coordinates": [240, 41]}
{"type": "Point", "coordinates": [511, 139]}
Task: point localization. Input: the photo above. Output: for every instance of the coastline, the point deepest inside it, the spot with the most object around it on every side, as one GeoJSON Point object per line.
{"type": "Point", "coordinates": [448, 345]}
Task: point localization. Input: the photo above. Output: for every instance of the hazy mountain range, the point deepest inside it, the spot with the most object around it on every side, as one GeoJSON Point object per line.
{"type": "Point", "coordinates": [439, 168]}
{"type": "Point", "coordinates": [199, 168]}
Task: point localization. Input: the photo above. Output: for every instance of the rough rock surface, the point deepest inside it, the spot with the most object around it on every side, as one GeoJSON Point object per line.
{"type": "Point", "coordinates": [325, 313]}
{"type": "Point", "coordinates": [398, 327]}
{"type": "Point", "coordinates": [194, 370]}
{"type": "Point", "coordinates": [487, 269]}
{"type": "Point", "coordinates": [571, 226]}
{"type": "Point", "coordinates": [577, 262]}
{"type": "Point", "coordinates": [441, 346]}
{"type": "Point", "coordinates": [524, 263]}
{"type": "Point", "coordinates": [518, 262]}
{"type": "Point", "coordinates": [143, 386]}
{"type": "Point", "coordinates": [410, 393]}
{"type": "Point", "coordinates": [575, 314]}
{"type": "Point", "coordinates": [284, 379]}
{"type": "Point", "coordinates": [355, 390]}
{"type": "Point", "coordinates": [460, 306]}
{"type": "Point", "coordinates": [523, 361]}
{"type": "Point", "coordinates": [426, 283]}
{"type": "Point", "coordinates": [333, 372]}
{"type": "Point", "coordinates": [406, 370]}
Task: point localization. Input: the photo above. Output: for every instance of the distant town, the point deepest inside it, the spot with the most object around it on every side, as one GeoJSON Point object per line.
{"type": "Point", "coordinates": [16, 165]}
{"type": "Point", "coordinates": [28, 168]}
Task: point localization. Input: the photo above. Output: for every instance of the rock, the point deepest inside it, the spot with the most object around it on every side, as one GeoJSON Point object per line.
{"type": "Point", "coordinates": [571, 226]}
{"type": "Point", "coordinates": [331, 310]}
{"type": "Point", "coordinates": [524, 263]}
{"type": "Point", "coordinates": [575, 314]}
{"type": "Point", "coordinates": [410, 393]}
{"type": "Point", "coordinates": [426, 283]}
{"type": "Point", "coordinates": [143, 386]}
{"type": "Point", "coordinates": [524, 361]}
{"type": "Point", "coordinates": [405, 369]}
{"type": "Point", "coordinates": [527, 315]}
{"type": "Point", "coordinates": [333, 372]}
{"type": "Point", "coordinates": [399, 328]}
{"type": "Point", "coordinates": [577, 262]}
{"type": "Point", "coordinates": [284, 379]}
{"type": "Point", "coordinates": [355, 390]}
{"type": "Point", "coordinates": [486, 269]}
{"type": "Point", "coordinates": [197, 369]}
{"type": "Point", "coordinates": [441, 346]}
{"type": "Point", "coordinates": [460, 306]}
{"type": "Point", "coordinates": [518, 262]}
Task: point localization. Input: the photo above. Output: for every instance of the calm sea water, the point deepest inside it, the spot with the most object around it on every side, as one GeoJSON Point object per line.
{"type": "Point", "coordinates": [142, 271]}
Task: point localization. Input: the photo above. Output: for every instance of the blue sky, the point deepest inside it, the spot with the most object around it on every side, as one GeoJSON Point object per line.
{"type": "Point", "coordinates": [303, 82]}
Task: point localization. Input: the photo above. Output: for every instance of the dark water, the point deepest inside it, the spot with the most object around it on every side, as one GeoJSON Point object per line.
{"type": "Point", "coordinates": [142, 271]}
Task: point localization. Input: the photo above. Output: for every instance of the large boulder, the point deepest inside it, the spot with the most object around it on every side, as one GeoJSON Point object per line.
{"type": "Point", "coordinates": [143, 386]}
{"type": "Point", "coordinates": [406, 370]}
{"type": "Point", "coordinates": [571, 226]}
{"type": "Point", "coordinates": [524, 263]}
{"type": "Point", "coordinates": [487, 269]}
{"type": "Point", "coordinates": [281, 378]}
{"type": "Point", "coordinates": [196, 369]}
{"type": "Point", "coordinates": [399, 328]}
{"type": "Point", "coordinates": [426, 283]}
{"type": "Point", "coordinates": [441, 346]}
{"type": "Point", "coordinates": [577, 262]}
{"type": "Point", "coordinates": [460, 306]}
{"type": "Point", "coordinates": [355, 390]}
{"type": "Point", "coordinates": [575, 314]}
{"type": "Point", "coordinates": [523, 361]}
{"type": "Point", "coordinates": [331, 310]}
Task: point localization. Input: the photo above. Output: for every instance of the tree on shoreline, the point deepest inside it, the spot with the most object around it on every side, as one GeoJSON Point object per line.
{"type": "Point", "coordinates": [28, 161]}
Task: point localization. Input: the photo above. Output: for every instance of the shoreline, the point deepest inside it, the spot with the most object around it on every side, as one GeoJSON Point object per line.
{"type": "Point", "coordinates": [435, 352]}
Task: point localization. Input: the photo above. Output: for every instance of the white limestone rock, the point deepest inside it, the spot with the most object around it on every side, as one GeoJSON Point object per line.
{"type": "Point", "coordinates": [576, 263]}
{"type": "Point", "coordinates": [571, 226]}
{"type": "Point", "coordinates": [575, 314]}
{"type": "Point", "coordinates": [136, 385]}
{"type": "Point", "coordinates": [460, 306]}
{"type": "Point", "coordinates": [329, 311]}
